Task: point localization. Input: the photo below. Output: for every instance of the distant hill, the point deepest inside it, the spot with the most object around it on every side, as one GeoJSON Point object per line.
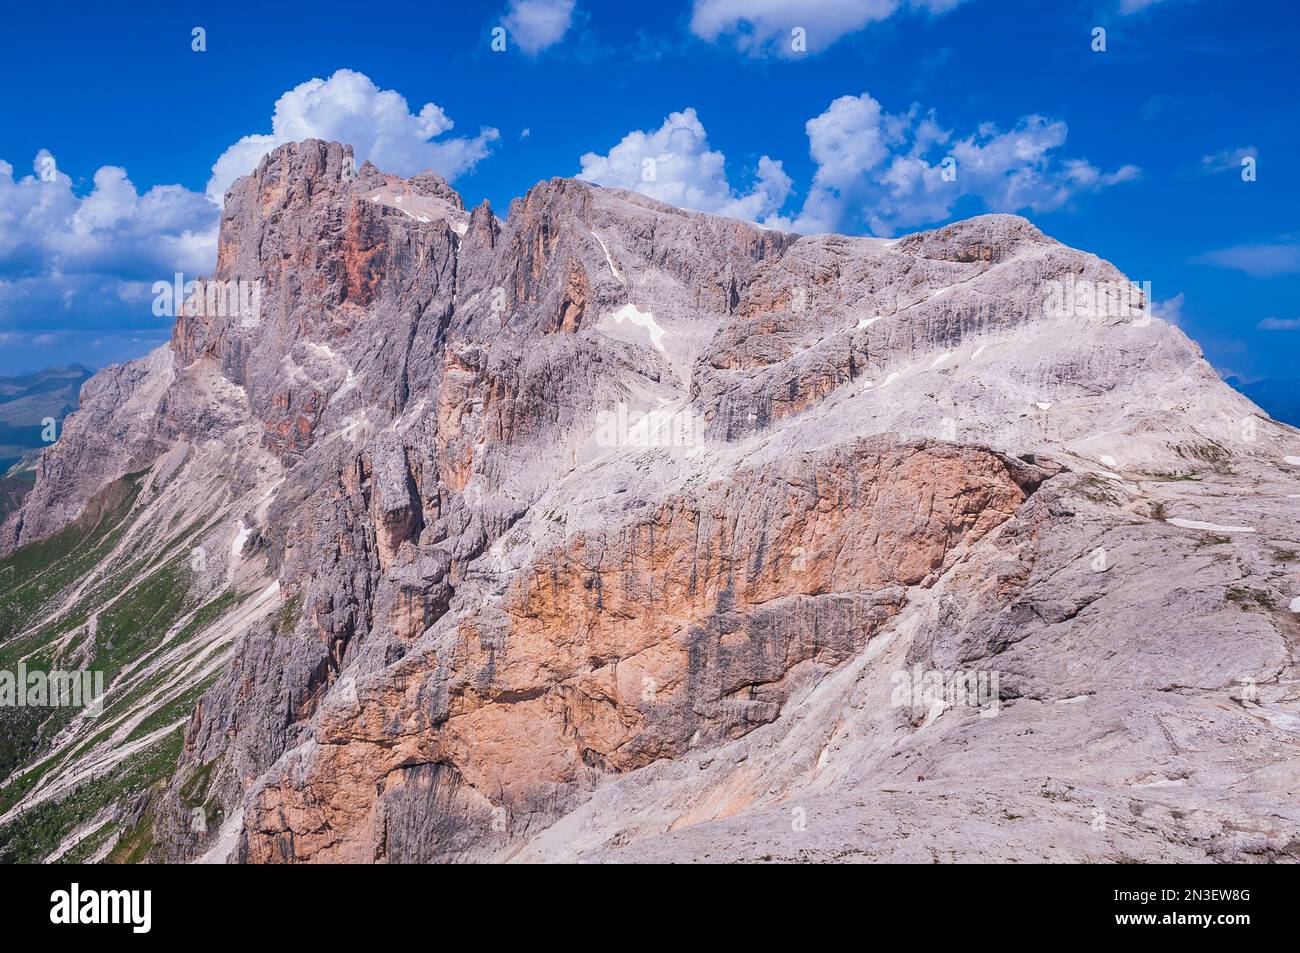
{"type": "Point", "coordinates": [27, 400]}
{"type": "Point", "coordinates": [1281, 398]}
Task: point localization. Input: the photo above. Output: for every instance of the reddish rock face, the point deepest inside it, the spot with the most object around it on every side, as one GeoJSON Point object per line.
{"type": "Point", "coordinates": [681, 628]}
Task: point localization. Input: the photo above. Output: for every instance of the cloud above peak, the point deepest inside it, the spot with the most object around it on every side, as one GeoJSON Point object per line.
{"type": "Point", "coordinates": [377, 123]}
{"type": "Point", "coordinates": [674, 164]}
{"type": "Point", "coordinates": [875, 171]}
{"type": "Point", "coordinates": [881, 171]}
{"type": "Point", "coordinates": [77, 266]}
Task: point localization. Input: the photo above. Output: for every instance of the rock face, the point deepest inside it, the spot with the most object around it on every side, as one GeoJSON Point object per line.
{"type": "Point", "coordinates": [613, 531]}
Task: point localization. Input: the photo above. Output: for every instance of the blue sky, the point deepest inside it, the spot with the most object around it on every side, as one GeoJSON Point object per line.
{"type": "Point", "coordinates": [1132, 153]}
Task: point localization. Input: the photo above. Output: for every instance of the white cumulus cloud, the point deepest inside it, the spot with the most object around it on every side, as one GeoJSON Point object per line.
{"type": "Point", "coordinates": [114, 230]}
{"type": "Point", "coordinates": [378, 124]}
{"type": "Point", "coordinates": [675, 165]}
{"type": "Point", "coordinates": [77, 266]}
{"type": "Point", "coordinates": [536, 24]}
{"type": "Point", "coordinates": [883, 171]}
{"type": "Point", "coordinates": [72, 267]}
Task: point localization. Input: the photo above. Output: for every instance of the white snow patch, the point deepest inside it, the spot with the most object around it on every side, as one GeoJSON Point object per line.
{"type": "Point", "coordinates": [608, 259]}
{"type": "Point", "coordinates": [1162, 783]}
{"type": "Point", "coordinates": [1044, 405]}
{"type": "Point", "coordinates": [227, 840]}
{"type": "Point", "coordinates": [324, 349]}
{"type": "Point", "coordinates": [941, 358]}
{"type": "Point", "coordinates": [1294, 461]}
{"type": "Point", "coordinates": [241, 537]}
{"type": "Point", "coordinates": [350, 425]}
{"type": "Point", "coordinates": [1108, 460]}
{"type": "Point", "coordinates": [866, 322]}
{"type": "Point", "coordinates": [978, 351]}
{"type": "Point", "coordinates": [893, 376]}
{"type": "Point", "coordinates": [349, 384]}
{"type": "Point", "coordinates": [460, 228]}
{"type": "Point", "coordinates": [1295, 604]}
{"type": "Point", "coordinates": [642, 319]}
{"type": "Point", "coordinates": [1280, 717]}
{"type": "Point", "coordinates": [1197, 524]}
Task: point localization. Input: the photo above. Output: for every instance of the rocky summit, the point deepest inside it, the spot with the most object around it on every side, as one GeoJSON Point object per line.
{"type": "Point", "coordinates": [609, 531]}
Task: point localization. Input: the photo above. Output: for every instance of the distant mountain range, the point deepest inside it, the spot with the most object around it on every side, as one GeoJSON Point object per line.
{"type": "Point", "coordinates": [1281, 398]}
{"type": "Point", "coordinates": [26, 401]}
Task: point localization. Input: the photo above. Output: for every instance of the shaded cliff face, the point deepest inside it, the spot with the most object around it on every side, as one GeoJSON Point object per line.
{"type": "Point", "coordinates": [602, 531]}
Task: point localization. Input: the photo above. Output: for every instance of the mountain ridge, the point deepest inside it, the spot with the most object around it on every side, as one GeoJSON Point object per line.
{"type": "Point", "coordinates": [458, 600]}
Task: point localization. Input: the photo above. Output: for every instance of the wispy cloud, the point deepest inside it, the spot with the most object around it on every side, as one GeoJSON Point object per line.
{"type": "Point", "coordinates": [1279, 324]}
{"type": "Point", "coordinates": [1228, 160]}
{"type": "Point", "coordinates": [1171, 309]}
{"type": "Point", "coordinates": [1260, 261]}
{"type": "Point", "coordinates": [767, 27]}
{"type": "Point", "coordinates": [535, 25]}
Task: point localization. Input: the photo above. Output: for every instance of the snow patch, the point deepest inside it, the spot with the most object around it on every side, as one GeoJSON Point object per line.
{"type": "Point", "coordinates": [1294, 461]}
{"type": "Point", "coordinates": [1215, 527]}
{"type": "Point", "coordinates": [642, 319]}
{"type": "Point", "coordinates": [613, 270]}
{"type": "Point", "coordinates": [866, 322]}
{"type": "Point", "coordinates": [1295, 604]}
{"type": "Point", "coordinates": [241, 537]}
{"type": "Point", "coordinates": [893, 376]}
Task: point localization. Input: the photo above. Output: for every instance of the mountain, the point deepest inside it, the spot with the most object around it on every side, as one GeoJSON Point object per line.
{"type": "Point", "coordinates": [611, 531]}
{"type": "Point", "coordinates": [1280, 398]}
